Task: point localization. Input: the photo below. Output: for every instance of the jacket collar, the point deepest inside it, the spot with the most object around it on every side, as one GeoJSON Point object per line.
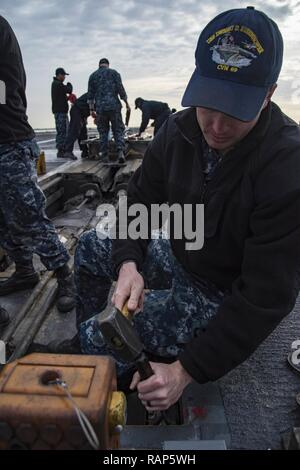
{"type": "Point", "coordinates": [187, 124]}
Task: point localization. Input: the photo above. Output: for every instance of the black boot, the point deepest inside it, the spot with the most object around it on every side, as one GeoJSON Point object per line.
{"type": "Point", "coordinates": [104, 157]}
{"type": "Point", "coordinates": [4, 319]}
{"type": "Point", "coordinates": [66, 299]}
{"type": "Point", "coordinates": [121, 156]}
{"type": "Point", "coordinates": [60, 153]}
{"type": "Point", "coordinates": [70, 155]}
{"type": "Point", "coordinates": [84, 152]}
{"type": "Point", "coordinates": [24, 277]}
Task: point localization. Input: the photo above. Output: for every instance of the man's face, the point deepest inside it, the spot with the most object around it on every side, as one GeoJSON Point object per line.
{"type": "Point", "coordinates": [61, 77]}
{"type": "Point", "coordinates": [221, 131]}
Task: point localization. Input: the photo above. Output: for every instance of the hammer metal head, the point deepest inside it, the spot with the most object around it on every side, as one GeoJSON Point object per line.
{"type": "Point", "coordinates": [119, 334]}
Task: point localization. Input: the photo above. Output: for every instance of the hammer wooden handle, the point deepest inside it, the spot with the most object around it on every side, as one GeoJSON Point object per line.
{"type": "Point", "coordinates": [144, 367]}
{"type": "Point", "coordinates": [126, 312]}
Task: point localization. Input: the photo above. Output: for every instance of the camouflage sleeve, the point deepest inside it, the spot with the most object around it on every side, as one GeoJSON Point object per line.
{"type": "Point", "coordinates": [120, 87]}
{"type": "Point", "coordinates": [91, 92]}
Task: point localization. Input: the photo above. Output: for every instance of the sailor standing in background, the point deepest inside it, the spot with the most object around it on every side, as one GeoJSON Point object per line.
{"type": "Point", "coordinates": [60, 108]}
{"type": "Point", "coordinates": [104, 89]}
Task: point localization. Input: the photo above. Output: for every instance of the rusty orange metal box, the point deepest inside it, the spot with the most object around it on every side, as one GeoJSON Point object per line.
{"type": "Point", "coordinates": [38, 415]}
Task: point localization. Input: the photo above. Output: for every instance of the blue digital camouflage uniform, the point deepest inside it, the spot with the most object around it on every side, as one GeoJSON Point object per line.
{"type": "Point", "coordinates": [61, 124]}
{"type": "Point", "coordinates": [104, 89]}
{"type": "Point", "coordinates": [24, 226]}
{"type": "Point", "coordinates": [174, 309]}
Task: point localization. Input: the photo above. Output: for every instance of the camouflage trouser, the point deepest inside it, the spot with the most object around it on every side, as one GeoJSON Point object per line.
{"type": "Point", "coordinates": [24, 226]}
{"type": "Point", "coordinates": [174, 309]}
{"type": "Point", "coordinates": [104, 119]}
{"type": "Point", "coordinates": [61, 124]}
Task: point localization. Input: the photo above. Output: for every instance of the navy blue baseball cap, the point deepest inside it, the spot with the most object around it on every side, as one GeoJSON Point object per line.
{"type": "Point", "coordinates": [104, 61]}
{"type": "Point", "coordinates": [61, 71]}
{"type": "Point", "coordinates": [238, 58]}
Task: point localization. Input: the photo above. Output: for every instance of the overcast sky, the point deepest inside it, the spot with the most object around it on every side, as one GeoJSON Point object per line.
{"type": "Point", "coordinates": [151, 43]}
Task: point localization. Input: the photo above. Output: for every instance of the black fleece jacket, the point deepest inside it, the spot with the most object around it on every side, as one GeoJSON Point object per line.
{"type": "Point", "coordinates": [152, 110]}
{"type": "Point", "coordinates": [14, 126]}
{"type": "Point", "coordinates": [252, 230]}
{"type": "Point", "coordinates": [59, 93]}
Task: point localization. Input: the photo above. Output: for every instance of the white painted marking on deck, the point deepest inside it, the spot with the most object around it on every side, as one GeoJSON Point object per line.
{"type": "Point", "coordinates": [45, 141]}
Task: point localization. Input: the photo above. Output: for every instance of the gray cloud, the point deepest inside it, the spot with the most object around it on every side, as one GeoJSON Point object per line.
{"type": "Point", "coordinates": [151, 43]}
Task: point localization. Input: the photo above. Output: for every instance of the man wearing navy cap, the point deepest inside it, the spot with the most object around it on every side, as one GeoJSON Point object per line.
{"type": "Point", "coordinates": [60, 109]}
{"type": "Point", "coordinates": [234, 151]}
{"type": "Point", "coordinates": [155, 110]}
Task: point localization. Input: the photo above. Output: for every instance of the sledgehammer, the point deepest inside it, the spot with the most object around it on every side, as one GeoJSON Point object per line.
{"type": "Point", "coordinates": [120, 335]}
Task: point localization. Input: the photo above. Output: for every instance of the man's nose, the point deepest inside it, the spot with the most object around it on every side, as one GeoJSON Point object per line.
{"type": "Point", "coordinates": [220, 123]}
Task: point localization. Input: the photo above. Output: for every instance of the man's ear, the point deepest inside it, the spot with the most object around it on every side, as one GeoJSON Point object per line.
{"type": "Point", "coordinates": [269, 95]}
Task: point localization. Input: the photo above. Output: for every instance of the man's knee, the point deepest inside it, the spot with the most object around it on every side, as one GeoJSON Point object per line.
{"type": "Point", "coordinates": [92, 252]}
{"type": "Point", "coordinates": [85, 247]}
